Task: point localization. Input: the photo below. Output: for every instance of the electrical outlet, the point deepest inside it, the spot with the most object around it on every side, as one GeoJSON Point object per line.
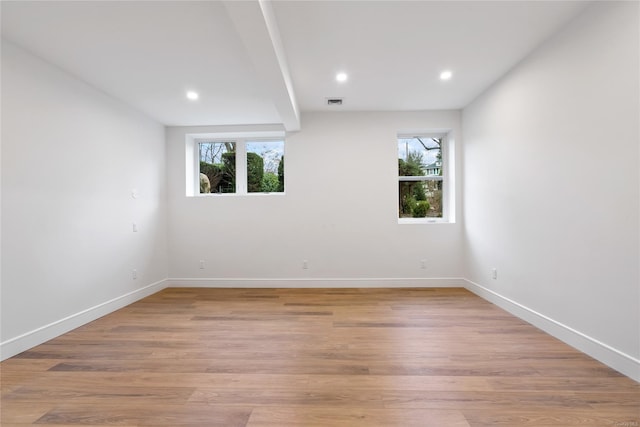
{"type": "Point", "coordinates": [134, 274]}
{"type": "Point", "coordinates": [305, 264]}
{"type": "Point", "coordinates": [201, 264]}
{"type": "Point", "coordinates": [423, 264]}
{"type": "Point", "coordinates": [494, 273]}
{"type": "Point", "coordinates": [135, 227]}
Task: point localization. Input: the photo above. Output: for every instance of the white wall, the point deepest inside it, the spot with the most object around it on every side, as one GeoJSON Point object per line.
{"type": "Point", "coordinates": [70, 158]}
{"type": "Point", "coordinates": [551, 184]}
{"type": "Point", "coordinates": [550, 180]}
{"type": "Point", "coordinates": [339, 211]}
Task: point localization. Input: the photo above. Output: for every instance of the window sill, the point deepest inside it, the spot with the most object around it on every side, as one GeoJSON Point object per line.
{"type": "Point", "coordinates": [237, 194]}
{"type": "Point", "coordinates": [424, 221]}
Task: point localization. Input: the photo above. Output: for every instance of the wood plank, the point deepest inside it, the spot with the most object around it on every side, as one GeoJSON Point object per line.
{"type": "Point", "coordinates": [24, 413]}
{"type": "Point", "coordinates": [149, 415]}
{"type": "Point", "coordinates": [354, 417]}
{"type": "Point", "coordinates": [565, 418]}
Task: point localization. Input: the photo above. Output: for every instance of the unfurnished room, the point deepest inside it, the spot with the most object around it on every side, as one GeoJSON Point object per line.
{"type": "Point", "coordinates": [320, 213]}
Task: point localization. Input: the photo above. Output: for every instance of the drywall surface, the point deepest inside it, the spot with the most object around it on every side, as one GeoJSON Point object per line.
{"type": "Point", "coordinates": [339, 211]}
{"type": "Point", "coordinates": [71, 157]}
{"type": "Point", "coordinates": [551, 185]}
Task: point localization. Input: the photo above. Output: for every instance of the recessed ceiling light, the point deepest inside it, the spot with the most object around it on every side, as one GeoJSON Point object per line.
{"type": "Point", "coordinates": [192, 95]}
{"type": "Point", "coordinates": [342, 77]}
{"type": "Point", "coordinates": [446, 75]}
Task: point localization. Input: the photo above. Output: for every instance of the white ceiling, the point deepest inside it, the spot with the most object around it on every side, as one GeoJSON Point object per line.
{"type": "Point", "coordinates": [257, 61]}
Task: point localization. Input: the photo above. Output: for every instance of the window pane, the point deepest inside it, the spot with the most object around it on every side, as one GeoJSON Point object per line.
{"type": "Point", "coordinates": [419, 199]}
{"type": "Point", "coordinates": [265, 167]}
{"type": "Point", "coordinates": [419, 156]}
{"type": "Point", "coordinates": [217, 167]}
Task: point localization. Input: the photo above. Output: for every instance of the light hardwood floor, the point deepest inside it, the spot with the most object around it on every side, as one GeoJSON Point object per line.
{"type": "Point", "coordinates": [322, 357]}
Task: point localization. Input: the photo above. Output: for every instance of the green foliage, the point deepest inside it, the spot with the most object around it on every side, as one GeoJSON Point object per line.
{"type": "Point", "coordinates": [410, 168]}
{"type": "Point", "coordinates": [420, 209]}
{"type": "Point", "coordinates": [255, 172]}
{"type": "Point", "coordinates": [413, 165]}
{"type": "Point", "coordinates": [408, 205]}
{"type": "Point", "coordinates": [405, 194]}
{"type": "Point", "coordinates": [281, 175]}
{"type": "Point", "coordinates": [228, 182]}
{"type": "Point", "coordinates": [418, 191]}
{"type": "Point", "coordinates": [413, 200]}
{"type": "Point", "coordinates": [270, 183]}
{"type": "Point", "coordinates": [404, 169]}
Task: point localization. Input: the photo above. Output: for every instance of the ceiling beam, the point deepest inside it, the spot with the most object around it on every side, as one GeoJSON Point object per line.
{"type": "Point", "coordinates": [256, 25]}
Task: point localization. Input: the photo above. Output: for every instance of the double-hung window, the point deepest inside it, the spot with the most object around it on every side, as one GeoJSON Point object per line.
{"type": "Point", "coordinates": [240, 165]}
{"type": "Point", "coordinates": [421, 177]}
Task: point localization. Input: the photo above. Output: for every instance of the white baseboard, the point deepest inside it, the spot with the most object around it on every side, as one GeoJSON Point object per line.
{"type": "Point", "coordinates": [319, 283]}
{"type": "Point", "coordinates": [621, 362]}
{"type": "Point", "coordinates": [28, 340]}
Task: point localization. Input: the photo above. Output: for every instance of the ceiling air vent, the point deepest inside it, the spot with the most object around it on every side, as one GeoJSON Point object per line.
{"type": "Point", "coordinates": [334, 101]}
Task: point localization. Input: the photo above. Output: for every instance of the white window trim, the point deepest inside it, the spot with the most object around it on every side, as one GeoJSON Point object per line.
{"type": "Point", "coordinates": [192, 155]}
{"type": "Point", "coordinates": [447, 178]}
{"type": "Point", "coordinates": [422, 178]}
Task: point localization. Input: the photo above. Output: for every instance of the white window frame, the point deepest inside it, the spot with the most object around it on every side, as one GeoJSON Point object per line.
{"type": "Point", "coordinates": [447, 149]}
{"type": "Point", "coordinates": [240, 139]}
